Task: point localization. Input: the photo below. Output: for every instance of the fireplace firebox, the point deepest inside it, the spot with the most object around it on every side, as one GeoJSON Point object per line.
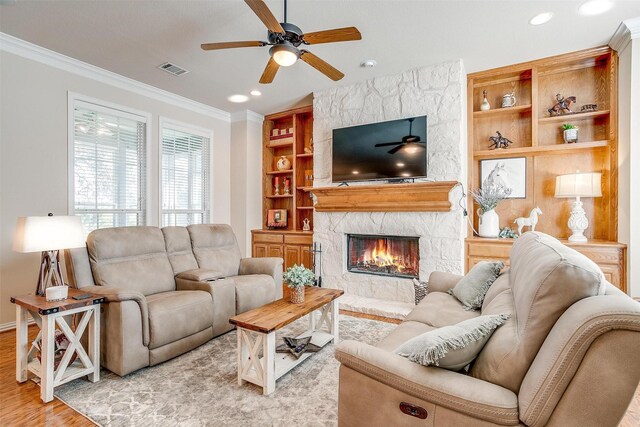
{"type": "Point", "coordinates": [396, 256]}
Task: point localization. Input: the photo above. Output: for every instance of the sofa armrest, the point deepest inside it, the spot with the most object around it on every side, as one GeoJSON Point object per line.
{"type": "Point", "coordinates": [269, 266]}
{"type": "Point", "coordinates": [111, 294]}
{"type": "Point", "coordinates": [439, 281]}
{"type": "Point", "coordinates": [200, 275]}
{"type": "Point", "coordinates": [458, 392]}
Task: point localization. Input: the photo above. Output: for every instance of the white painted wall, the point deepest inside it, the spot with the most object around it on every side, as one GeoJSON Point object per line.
{"type": "Point", "coordinates": [33, 154]}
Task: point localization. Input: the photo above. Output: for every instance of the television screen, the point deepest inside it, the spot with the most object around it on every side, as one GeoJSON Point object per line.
{"type": "Point", "coordinates": [395, 149]}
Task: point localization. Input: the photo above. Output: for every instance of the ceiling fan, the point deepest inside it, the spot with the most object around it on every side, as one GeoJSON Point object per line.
{"type": "Point", "coordinates": [285, 40]}
{"type": "Point", "coordinates": [410, 143]}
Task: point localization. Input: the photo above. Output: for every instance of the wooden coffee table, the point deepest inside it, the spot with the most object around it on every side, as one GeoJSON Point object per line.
{"type": "Point", "coordinates": [257, 331]}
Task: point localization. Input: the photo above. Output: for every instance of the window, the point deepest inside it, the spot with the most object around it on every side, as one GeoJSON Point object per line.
{"type": "Point", "coordinates": [184, 175]}
{"type": "Point", "coordinates": [109, 166]}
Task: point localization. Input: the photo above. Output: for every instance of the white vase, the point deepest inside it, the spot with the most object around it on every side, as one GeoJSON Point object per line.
{"type": "Point", "coordinates": [489, 224]}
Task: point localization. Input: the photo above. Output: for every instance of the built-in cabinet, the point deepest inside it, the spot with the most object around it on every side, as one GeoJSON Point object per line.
{"type": "Point", "coordinates": [287, 134]}
{"type": "Point", "coordinates": [537, 137]}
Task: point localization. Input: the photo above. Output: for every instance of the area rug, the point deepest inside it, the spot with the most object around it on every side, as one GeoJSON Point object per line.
{"type": "Point", "coordinates": [200, 388]}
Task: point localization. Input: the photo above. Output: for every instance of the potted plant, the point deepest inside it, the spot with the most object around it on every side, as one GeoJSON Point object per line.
{"type": "Point", "coordinates": [488, 198]}
{"type": "Point", "coordinates": [296, 278]}
{"type": "Point", "coordinates": [570, 133]}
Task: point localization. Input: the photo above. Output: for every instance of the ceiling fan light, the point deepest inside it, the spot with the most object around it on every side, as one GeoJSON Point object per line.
{"type": "Point", "coordinates": [284, 55]}
{"type": "Point", "coordinates": [411, 148]}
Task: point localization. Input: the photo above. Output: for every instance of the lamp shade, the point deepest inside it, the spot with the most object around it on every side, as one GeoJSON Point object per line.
{"type": "Point", "coordinates": [578, 184]}
{"type": "Point", "coordinates": [48, 233]}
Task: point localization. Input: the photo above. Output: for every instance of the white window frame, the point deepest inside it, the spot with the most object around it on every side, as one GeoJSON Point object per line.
{"type": "Point", "coordinates": [187, 128]}
{"type": "Point", "coordinates": [72, 99]}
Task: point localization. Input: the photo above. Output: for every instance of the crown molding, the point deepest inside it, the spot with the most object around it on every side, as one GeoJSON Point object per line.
{"type": "Point", "coordinates": [248, 116]}
{"type": "Point", "coordinates": [628, 30]}
{"type": "Point", "coordinates": [45, 56]}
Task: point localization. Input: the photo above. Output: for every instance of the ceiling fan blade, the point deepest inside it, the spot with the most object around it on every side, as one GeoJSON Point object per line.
{"type": "Point", "coordinates": [260, 8]}
{"type": "Point", "coordinates": [395, 149]}
{"type": "Point", "coordinates": [388, 144]}
{"type": "Point", "coordinates": [330, 36]}
{"type": "Point", "coordinates": [321, 65]}
{"type": "Point", "coordinates": [269, 72]}
{"type": "Point", "coordinates": [231, 45]}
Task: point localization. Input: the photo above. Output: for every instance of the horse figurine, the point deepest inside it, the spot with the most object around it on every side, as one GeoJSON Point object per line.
{"type": "Point", "coordinates": [499, 141]}
{"type": "Point", "coordinates": [531, 221]}
{"type": "Point", "coordinates": [563, 105]}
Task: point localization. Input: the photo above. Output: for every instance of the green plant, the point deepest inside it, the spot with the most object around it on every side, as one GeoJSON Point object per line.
{"type": "Point", "coordinates": [567, 126]}
{"type": "Point", "coordinates": [489, 196]}
{"type": "Point", "coordinates": [298, 276]}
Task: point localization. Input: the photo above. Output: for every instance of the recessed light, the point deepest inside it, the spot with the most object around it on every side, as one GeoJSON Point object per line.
{"type": "Point", "coordinates": [255, 92]}
{"type": "Point", "coordinates": [541, 18]}
{"type": "Point", "coordinates": [405, 174]}
{"type": "Point", "coordinates": [238, 98]}
{"type": "Point", "coordinates": [595, 7]}
{"type": "Point", "coordinates": [369, 63]}
{"type": "Point", "coordinates": [355, 172]}
{"type": "Point", "coordinates": [400, 164]}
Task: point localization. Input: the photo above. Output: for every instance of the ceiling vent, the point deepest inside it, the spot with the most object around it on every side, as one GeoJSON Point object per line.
{"type": "Point", "coordinates": [172, 69]}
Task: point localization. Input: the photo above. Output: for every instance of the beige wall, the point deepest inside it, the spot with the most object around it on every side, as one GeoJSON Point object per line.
{"type": "Point", "coordinates": [33, 155]}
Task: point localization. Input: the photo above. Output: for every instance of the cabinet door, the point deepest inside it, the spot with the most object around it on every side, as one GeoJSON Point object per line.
{"type": "Point", "coordinates": [292, 255]}
{"type": "Point", "coordinates": [259, 250]}
{"type": "Point", "coordinates": [306, 256]}
{"type": "Point", "coordinates": [274, 250]}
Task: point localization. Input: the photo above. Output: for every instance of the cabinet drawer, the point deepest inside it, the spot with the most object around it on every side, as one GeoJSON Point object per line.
{"type": "Point", "coordinates": [292, 239]}
{"type": "Point", "coordinates": [268, 238]}
{"type": "Point", "coordinates": [474, 260]}
{"type": "Point", "coordinates": [488, 250]}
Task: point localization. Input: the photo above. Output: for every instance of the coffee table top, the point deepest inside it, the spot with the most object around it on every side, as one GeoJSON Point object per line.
{"type": "Point", "coordinates": [275, 315]}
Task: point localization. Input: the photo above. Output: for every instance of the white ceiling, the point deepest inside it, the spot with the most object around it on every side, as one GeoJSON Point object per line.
{"type": "Point", "coordinates": [132, 38]}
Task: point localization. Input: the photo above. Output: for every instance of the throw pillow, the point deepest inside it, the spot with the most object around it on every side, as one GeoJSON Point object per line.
{"type": "Point", "coordinates": [420, 289]}
{"type": "Point", "coordinates": [452, 347]}
{"type": "Point", "coordinates": [472, 288]}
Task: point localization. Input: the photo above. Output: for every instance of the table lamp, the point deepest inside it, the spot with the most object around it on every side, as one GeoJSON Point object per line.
{"type": "Point", "coordinates": [578, 185]}
{"type": "Point", "coordinates": [48, 234]}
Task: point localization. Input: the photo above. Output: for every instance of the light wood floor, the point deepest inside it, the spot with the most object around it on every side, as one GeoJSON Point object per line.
{"type": "Point", "coordinates": [20, 404]}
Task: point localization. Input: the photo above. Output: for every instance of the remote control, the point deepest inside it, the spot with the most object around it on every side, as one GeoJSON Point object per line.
{"type": "Point", "coordinates": [81, 297]}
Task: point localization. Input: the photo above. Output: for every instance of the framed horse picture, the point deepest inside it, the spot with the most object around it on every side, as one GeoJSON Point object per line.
{"type": "Point", "coordinates": [511, 173]}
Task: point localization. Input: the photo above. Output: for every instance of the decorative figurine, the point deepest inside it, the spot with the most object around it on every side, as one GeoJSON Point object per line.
{"type": "Point", "coordinates": [562, 105]}
{"type": "Point", "coordinates": [499, 141]}
{"type": "Point", "coordinates": [531, 221]}
{"type": "Point", "coordinates": [485, 106]}
{"type": "Point", "coordinates": [507, 233]}
{"type": "Point", "coordinates": [570, 133]}
{"type": "Point", "coordinates": [306, 224]}
{"type": "Point", "coordinates": [588, 108]}
{"type": "Point", "coordinates": [287, 186]}
{"type": "Point", "coordinates": [283, 163]}
{"type": "Point", "coordinates": [276, 186]}
{"type": "Point", "coordinates": [509, 100]}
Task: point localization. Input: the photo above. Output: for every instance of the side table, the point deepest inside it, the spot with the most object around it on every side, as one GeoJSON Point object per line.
{"type": "Point", "coordinates": [48, 314]}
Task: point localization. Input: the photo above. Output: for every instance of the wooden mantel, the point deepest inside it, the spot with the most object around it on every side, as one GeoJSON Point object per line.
{"type": "Point", "coordinates": [415, 197]}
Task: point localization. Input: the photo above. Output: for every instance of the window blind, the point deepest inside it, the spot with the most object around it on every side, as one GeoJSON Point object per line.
{"type": "Point", "coordinates": [184, 178]}
{"type": "Point", "coordinates": [109, 165]}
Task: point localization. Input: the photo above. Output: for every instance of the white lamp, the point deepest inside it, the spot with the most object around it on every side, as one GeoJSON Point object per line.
{"type": "Point", "coordinates": [48, 234]}
{"type": "Point", "coordinates": [578, 185]}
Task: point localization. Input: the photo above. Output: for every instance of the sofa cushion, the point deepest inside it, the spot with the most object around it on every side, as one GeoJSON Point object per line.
{"type": "Point", "coordinates": [253, 290]}
{"type": "Point", "coordinates": [215, 247]}
{"type": "Point", "coordinates": [403, 333]}
{"type": "Point", "coordinates": [451, 347]}
{"type": "Point", "coordinates": [545, 279]}
{"type": "Point", "coordinates": [131, 258]}
{"type": "Point", "coordinates": [178, 246]}
{"type": "Point", "coordinates": [473, 287]}
{"type": "Point", "coordinates": [176, 315]}
{"type": "Point", "coordinates": [439, 309]}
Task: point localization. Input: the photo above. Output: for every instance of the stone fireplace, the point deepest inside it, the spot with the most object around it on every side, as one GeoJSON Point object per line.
{"type": "Point", "coordinates": [437, 91]}
{"type": "Point", "coordinates": [393, 256]}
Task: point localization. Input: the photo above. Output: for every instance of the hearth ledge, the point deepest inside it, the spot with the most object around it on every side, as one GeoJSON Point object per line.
{"type": "Point", "coordinates": [378, 307]}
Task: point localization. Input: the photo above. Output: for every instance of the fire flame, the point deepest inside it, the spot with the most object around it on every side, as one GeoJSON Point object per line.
{"type": "Point", "coordinates": [382, 256]}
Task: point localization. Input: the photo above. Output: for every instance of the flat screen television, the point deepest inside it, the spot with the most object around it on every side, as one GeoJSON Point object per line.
{"type": "Point", "coordinates": [391, 150]}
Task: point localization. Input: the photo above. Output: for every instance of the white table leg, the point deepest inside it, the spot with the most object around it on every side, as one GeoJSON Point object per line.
{"type": "Point", "coordinates": [22, 345]}
{"type": "Point", "coordinates": [243, 355]}
{"type": "Point", "coordinates": [312, 321]}
{"type": "Point", "coordinates": [269, 367]}
{"type": "Point", "coordinates": [334, 328]}
{"type": "Point", "coordinates": [94, 343]}
{"type": "Point", "coordinates": [46, 354]}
